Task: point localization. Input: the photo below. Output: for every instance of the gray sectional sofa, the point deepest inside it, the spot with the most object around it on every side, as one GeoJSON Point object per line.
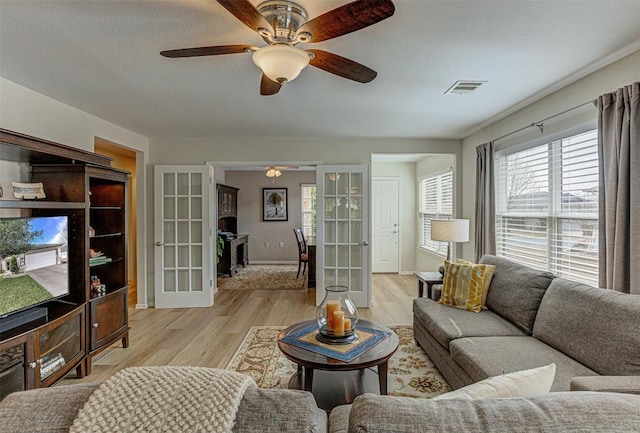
{"type": "Point", "coordinates": [53, 410]}
{"type": "Point", "coordinates": [533, 319]}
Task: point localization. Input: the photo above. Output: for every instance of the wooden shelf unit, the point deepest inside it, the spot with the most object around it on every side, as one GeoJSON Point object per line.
{"type": "Point", "coordinates": [84, 187]}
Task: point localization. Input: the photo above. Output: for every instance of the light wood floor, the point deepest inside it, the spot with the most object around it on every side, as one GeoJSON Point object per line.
{"type": "Point", "coordinates": [210, 336]}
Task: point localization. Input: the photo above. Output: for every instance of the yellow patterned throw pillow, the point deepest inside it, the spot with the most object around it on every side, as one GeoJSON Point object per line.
{"type": "Point", "coordinates": [488, 275]}
{"type": "Point", "coordinates": [463, 285]}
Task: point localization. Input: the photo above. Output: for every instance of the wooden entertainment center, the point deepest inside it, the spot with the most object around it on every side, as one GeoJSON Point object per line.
{"type": "Point", "coordinates": [82, 186]}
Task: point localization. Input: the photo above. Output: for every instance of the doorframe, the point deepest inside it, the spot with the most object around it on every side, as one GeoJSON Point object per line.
{"type": "Point", "coordinates": [398, 181]}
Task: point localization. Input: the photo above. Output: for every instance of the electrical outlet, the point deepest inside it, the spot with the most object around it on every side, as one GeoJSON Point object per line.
{"type": "Point", "coordinates": [281, 244]}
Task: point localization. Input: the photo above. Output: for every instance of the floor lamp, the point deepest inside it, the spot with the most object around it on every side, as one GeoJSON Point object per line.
{"type": "Point", "coordinates": [450, 231]}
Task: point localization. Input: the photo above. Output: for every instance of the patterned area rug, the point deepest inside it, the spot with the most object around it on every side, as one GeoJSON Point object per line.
{"type": "Point", "coordinates": [265, 277]}
{"type": "Point", "coordinates": [411, 372]}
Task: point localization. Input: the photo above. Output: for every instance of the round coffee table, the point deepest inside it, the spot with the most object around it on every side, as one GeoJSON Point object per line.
{"type": "Point", "coordinates": [339, 382]}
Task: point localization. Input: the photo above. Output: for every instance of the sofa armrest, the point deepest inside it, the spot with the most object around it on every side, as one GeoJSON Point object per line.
{"type": "Point", "coordinates": [624, 384]}
{"type": "Point", "coordinates": [44, 410]}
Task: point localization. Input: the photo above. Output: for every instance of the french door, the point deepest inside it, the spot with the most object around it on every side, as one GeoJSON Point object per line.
{"type": "Point", "coordinates": [342, 229]}
{"type": "Point", "coordinates": [183, 266]}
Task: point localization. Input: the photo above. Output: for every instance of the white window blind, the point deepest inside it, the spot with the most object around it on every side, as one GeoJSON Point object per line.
{"type": "Point", "coordinates": [436, 202]}
{"type": "Point", "coordinates": [547, 207]}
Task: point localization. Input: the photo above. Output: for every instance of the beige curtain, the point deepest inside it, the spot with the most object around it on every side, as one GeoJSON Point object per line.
{"type": "Point", "coordinates": [485, 201]}
{"type": "Point", "coordinates": [619, 199]}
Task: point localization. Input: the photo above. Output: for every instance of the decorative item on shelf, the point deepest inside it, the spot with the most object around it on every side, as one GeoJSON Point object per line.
{"type": "Point", "coordinates": [450, 231]}
{"type": "Point", "coordinates": [51, 365]}
{"type": "Point", "coordinates": [92, 232]}
{"type": "Point", "coordinates": [337, 317]}
{"type": "Point", "coordinates": [98, 288]}
{"type": "Point", "coordinates": [28, 191]}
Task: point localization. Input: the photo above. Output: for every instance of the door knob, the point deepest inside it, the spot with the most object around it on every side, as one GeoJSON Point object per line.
{"type": "Point", "coordinates": [395, 231]}
{"type": "Point", "coordinates": [365, 244]}
{"type": "Point", "coordinates": [159, 243]}
{"type": "Point", "coordinates": [95, 325]}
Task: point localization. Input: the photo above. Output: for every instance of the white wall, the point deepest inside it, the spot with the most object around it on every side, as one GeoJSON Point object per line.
{"type": "Point", "coordinates": [28, 112]}
{"type": "Point", "coordinates": [607, 79]}
{"type": "Point", "coordinates": [271, 232]}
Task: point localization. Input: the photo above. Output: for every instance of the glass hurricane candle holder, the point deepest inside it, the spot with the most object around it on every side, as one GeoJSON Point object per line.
{"type": "Point", "coordinates": [337, 317]}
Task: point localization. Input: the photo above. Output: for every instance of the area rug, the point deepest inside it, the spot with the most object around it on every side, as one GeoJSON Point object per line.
{"type": "Point", "coordinates": [265, 277]}
{"type": "Point", "coordinates": [411, 372]}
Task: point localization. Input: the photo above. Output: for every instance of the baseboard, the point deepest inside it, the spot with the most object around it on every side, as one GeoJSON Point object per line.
{"type": "Point", "coordinates": [141, 306]}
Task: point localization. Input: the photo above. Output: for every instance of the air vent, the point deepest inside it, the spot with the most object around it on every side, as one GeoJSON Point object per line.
{"type": "Point", "coordinates": [464, 87]}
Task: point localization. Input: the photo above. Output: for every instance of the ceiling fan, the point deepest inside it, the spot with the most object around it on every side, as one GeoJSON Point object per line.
{"type": "Point", "coordinates": [283, 25]}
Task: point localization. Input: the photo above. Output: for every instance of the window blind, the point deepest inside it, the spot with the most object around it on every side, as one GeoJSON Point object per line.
{"type": "Point", "coordinates": [436, 202]}
{"type": "Point", "coordinates": [547, 207]}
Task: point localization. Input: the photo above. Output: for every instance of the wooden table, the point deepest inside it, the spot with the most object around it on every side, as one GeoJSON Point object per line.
{"type": "Point", "coordinates": [335, 382]}
{"type": "Point", "coordinates": [428, 278]}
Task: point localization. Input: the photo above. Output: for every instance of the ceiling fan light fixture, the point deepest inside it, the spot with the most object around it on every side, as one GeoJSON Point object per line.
{"type": "Point", "coordinates": [281, 63]}
{"type": "Point", "coordinates": [273, 172]}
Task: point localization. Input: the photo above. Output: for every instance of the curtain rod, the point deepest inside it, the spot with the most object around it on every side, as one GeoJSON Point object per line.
{"type": "Point", "coordinates": [540, 123]}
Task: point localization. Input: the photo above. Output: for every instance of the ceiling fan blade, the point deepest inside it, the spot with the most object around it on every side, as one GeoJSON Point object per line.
{"type": "Point", "coordinates": [348, 18]}
{"type": "Point", "coordinates": [247, 13]}
{"type": "Point", "coordinates": [268, 86]}
{"type": "Point", "coordinates": [209, 51]}
{"type": "Point", "coordinates": [342, 66]}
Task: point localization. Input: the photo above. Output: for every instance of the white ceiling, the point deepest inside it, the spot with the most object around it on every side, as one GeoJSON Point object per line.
{"type": "Point", "coordinates": [101, 56]}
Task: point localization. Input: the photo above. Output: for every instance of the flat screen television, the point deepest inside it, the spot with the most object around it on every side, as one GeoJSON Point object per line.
{"type": "Point", "coordinates": [34, 266]}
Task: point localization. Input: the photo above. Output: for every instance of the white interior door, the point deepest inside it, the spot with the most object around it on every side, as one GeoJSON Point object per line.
{"type": "Point", "coordinates": [342, 228]}
{"type": "Point", "coordinates": [183, 267]}
{"type": "Point", "coordinates": [385, 221]}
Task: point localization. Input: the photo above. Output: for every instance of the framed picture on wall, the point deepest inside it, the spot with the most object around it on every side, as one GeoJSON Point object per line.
{"type": "Point", "coordinates": [274, 204]}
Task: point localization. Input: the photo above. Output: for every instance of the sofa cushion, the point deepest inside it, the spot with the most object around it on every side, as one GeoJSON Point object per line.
{"type": "Point", "coordinates": [598, 327]}
{"type": "Point", "coordinates": [482, 357]}
{"type": "Point", "coordinates": [525, 383]}
{"type": "Point", "coordinates": [339, 419]}
{"type": "Point", "coordinates": [446, 323]}
{"type": "Point", "coordinates": [278, 411]}
{"type": "Point", "coordinates": [464, 285]}
{"type": "Point", "coordinates": [555, 412]}
{"type": "Point", "coordinates": [45, 410]}
{"type": "Point", "coordinates": [516, 291]}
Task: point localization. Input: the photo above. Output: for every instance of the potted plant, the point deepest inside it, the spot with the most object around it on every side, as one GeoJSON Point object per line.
{"type": "Point", "coordinates": [219, 248]}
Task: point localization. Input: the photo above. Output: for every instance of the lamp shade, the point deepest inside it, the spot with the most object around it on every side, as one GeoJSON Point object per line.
{"type": "Point", "coordinates": [281, 62]}
{"type": "Point", "coordinates": [450, 230]}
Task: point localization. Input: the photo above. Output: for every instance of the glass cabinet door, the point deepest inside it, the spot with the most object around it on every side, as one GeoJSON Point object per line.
{"type": "Point", "coordinates": [58, 346]}
{"type": "Point", "coordinates": [13, 365]}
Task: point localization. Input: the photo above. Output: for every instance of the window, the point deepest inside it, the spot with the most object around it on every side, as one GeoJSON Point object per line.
{"type": "Point", "coordinates": [308, 211]}
{"type": "Point", "coordinates": [547, 207]}
{"type": "Point", "coordinates": [436, 202]}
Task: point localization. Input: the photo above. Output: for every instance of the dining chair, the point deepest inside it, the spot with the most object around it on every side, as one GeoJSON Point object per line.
{"type": "Point", "coordinates": [303, 255]}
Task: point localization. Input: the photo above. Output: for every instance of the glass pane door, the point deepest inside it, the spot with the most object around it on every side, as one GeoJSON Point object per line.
{"type": "Point", "coordinates": [343, 258]}
{"type": "Point", "coordinates": [183, 271]}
